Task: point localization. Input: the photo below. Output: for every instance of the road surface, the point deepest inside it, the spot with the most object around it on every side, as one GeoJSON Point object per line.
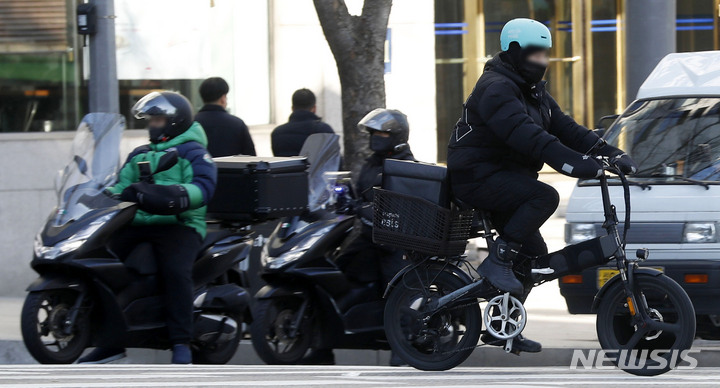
{"type": "Point", "coordinates": [335, 376]}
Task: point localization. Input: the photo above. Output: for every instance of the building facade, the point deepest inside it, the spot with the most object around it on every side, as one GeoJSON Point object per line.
{"type": "Point", "coordinates": [268, 48]}
{"type": "Point", "coordinates": [587, 71]}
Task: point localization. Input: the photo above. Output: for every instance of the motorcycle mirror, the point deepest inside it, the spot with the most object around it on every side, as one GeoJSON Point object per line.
{"type": "Point", "coordinates": [167, 161]}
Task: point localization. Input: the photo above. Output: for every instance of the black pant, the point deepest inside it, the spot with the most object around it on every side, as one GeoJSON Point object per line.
{"type": "Point", "coordinates": [518, 204]}
{"type": "Point", "coordinates": [364, 261]}
{"type": "Point", "coordinates": [175, 248]}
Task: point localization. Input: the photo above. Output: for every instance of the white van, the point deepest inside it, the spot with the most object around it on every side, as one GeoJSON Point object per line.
{"type": "Point", "coordinates": [672, 131]}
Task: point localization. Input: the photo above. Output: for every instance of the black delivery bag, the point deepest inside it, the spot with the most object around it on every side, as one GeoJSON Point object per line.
{"type": "Point", "coordinates": [424, 180]}
{"type": "Point", "coordinates": [254, 188]}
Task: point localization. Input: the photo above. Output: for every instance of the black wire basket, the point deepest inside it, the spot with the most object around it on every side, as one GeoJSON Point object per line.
{"type": "Point", "coordinates": [417, 225]}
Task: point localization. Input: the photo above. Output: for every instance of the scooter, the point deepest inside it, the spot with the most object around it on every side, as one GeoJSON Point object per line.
{"type": "Point", "coordinates": [433, 316]}
{"type": "Point", "coordinates": [87, 297]}
{"type": "Point", "coordinates": [308, 302]}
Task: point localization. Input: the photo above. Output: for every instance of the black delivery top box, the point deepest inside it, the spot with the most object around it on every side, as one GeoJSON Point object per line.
{"type": "Point", "coordinates": [424, 180]}
{"type": "Point", "coordinates": [255, 188]}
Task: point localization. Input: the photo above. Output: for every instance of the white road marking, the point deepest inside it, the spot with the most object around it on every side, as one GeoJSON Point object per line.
{"type": "Point", "coordinates": [111, 376]}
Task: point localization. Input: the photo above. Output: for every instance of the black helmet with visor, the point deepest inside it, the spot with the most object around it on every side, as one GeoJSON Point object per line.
{"type": "Point", "coordinates": [176, 109]}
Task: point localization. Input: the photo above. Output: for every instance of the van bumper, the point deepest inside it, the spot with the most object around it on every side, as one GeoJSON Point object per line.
{"type": "Point", "coordinates": [705, 296]}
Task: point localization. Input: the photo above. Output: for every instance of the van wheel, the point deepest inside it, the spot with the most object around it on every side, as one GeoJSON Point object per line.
{"type": "Point", "coordinates": [44, 330]}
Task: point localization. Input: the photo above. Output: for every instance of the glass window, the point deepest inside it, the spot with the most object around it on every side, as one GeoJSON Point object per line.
{"type": "Point", "coordinates": [695, 25]}
{"type": "Point", "coordinates": [37, 92]}
{"type": "Point", "coordinates": [671, 138]}
{"type": "Point", "coordinates": [38, 66]}
{"type": "Point", "coordinates": [449, 73]}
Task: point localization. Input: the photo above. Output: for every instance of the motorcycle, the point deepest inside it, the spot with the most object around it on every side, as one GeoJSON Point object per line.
{"type": "Point", "coordinates": [433, 317]}
{"type": "Point", "coordinates": [86, 297]}
{"type": "Point", "coordinates": [308, 302]}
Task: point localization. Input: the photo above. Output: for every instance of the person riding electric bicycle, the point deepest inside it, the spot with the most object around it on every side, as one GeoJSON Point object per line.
{"type": "Point", "coordinates": [361, 259]}
{"type": "Point", "coordinates": [172, 209]}
{"type": "Point", "coordinates": [510, 125]}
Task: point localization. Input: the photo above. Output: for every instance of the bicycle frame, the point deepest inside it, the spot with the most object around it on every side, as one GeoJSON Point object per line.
{"type": "Point", "coordinates": [612, 247]}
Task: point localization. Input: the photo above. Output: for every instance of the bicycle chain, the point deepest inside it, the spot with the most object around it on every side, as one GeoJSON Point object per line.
{"type": "Point", "coordinates": [468, 347]}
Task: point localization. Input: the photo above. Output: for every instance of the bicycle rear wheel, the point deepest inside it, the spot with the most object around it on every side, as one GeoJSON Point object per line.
{"type": "Point", "coordinates": [431, 342]}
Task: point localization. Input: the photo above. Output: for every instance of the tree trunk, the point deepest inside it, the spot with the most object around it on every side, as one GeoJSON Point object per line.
{"type": "Point", "coordinates": [358, 45]}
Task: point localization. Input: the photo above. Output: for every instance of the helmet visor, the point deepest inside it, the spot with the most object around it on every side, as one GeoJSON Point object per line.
{"type": "Point", "coordinates": [377, 121]}
{"type": "Point", "coordinates": [154, 104]}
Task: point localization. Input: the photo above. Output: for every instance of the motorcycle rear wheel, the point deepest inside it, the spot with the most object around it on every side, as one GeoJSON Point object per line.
{"type": "Point", "coordinates": [668, 304]}
{"type": "Point", "coordinates": [42, 323]}
{"type": "Point", "coordinates": [444, 340]}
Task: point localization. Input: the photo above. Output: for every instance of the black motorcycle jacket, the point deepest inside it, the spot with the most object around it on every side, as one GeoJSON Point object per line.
{"type": "Point", "coordinates": [371, 176]}
{"type": "Point", "coordinates": [507, 124]}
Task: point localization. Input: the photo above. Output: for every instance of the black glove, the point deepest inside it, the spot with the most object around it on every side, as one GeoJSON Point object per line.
{"type": "Point", "coordinates": [366, 211]}
{"type": "Point", "coordinates": [571, 163]}
{"type": "Point", "coordinates": [157, 199]}
{"type": "Point", "coordinates": [624, 163]}
{"type": "Point", "coordinates": [618, 158]}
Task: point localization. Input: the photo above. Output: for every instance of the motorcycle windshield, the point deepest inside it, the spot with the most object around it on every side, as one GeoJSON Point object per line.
{"type": "Point", "coordinates": [322, 151]}
{"type": "Point", "coordinates": [93, 167]}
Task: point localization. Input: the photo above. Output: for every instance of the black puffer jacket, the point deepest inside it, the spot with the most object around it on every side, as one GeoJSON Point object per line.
{"type": "Point", "coordinates": [506, 124]}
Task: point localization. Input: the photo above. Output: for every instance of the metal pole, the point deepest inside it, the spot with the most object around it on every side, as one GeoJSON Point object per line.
{"type": "Point", "coordinates": [103, 85]}
{"type": "Point", "coordinates": [649, 36]}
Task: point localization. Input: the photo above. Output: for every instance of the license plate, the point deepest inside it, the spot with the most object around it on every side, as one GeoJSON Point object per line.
{"type": "Point", "coordinates": [605, 274]}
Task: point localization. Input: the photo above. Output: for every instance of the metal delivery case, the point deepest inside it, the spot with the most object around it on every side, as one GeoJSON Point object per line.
{"type": "Point", "coordinates": [253, 188]}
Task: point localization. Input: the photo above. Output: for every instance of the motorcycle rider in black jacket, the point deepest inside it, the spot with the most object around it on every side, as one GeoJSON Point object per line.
{"type": "Point", "coordinates": [361, 259]}
{"type": "Point", "coordinates": [509, 127]}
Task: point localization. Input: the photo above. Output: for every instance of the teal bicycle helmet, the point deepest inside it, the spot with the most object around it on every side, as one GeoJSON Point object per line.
{"type": "Point", "coordinates": [526, 32]}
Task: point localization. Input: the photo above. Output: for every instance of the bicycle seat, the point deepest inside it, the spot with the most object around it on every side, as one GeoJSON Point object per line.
{"type": "Point", "coordinates": [481, 225]}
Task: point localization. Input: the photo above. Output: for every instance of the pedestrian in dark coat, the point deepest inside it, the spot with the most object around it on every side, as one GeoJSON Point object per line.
{"type": "Point", "coordinates": [227, 134]}
{"type": "Point", "coordinates": [288, 139]}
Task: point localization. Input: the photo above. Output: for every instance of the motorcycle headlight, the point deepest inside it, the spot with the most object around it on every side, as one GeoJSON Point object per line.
{"type": "Point", "coordinates": [285, 258]}
{"type": "Point", "coordinates": [576, 232]}
{"type": "Point", "coordinates": [72, 243]}
{"type": "Point", "coordinates": [699, 232]}
{"type": "Point", "coordinates": [297, 251]}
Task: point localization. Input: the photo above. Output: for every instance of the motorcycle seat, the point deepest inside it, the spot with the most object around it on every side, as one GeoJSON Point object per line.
{"type": "Point", "coordinates": [142, 259]}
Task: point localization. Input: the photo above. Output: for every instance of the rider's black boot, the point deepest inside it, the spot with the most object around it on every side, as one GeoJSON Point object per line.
{"type": "Point", "coordinates": [520, 343]}
{"type": "Point", "coordinates": [497, 268]}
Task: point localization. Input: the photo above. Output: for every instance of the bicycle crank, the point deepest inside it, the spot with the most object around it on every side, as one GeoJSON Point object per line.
{"type": "Point", "coordinates": [505, 318]}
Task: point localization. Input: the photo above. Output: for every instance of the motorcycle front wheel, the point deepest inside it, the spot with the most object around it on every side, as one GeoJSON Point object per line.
{"type": "Point", "coordinates": [656, 348]}
{"type": "Point", "coordinates": [219, 353]}
{"type": "Point", "coordinates": [274, 336]}
{"type": "Point", "coordinates": [431, 342]}
{"type": "Point", "coordinates": [43, 323]}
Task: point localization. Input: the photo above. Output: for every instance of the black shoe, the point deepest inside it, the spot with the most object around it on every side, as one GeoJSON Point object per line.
{"type": "Point", "coordinates": [520, 343]}
{"type": "Point", "coordinates": [395, 360]}
{"type": "Point", "coordinates": [319, 357]}
{"type": "Point", "coordinates": [497, 268]}
{"type": "Point", "coordinates": [102, 356]}
{"type": "Point", "coordinates": [181, 354]}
